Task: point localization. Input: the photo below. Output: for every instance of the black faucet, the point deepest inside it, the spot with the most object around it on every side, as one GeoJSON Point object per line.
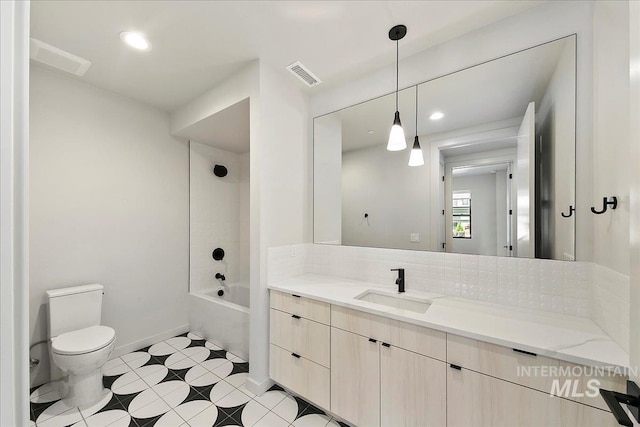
{"type": "Point", "coordinates": [400, 279]}
{"type": "Point", "coordinates": [220, 276]}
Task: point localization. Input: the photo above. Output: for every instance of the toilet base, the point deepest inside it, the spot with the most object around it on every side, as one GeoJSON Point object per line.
{"type": "Point", "coordinates": [84, 388]}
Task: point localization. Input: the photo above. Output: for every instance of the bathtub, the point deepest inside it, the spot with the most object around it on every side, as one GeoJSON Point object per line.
{"type": "Point", "coordinates": [223, 320]}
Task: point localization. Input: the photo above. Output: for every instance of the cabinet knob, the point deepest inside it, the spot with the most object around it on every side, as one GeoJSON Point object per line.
{"type": "Point", "coordinates": [372, 340]}
{"type": "Point", "coordinates": [297, 356]}
{"type": "Point", "coordinates": [456, 367]}
{"type": "Point", "coordinates": [384, 344]}
{"type": "Point", "coordinates": [295, 316]}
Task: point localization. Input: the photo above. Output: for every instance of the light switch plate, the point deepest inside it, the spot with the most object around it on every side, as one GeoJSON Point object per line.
{"type": "Point", "coordinates": [415, 238]}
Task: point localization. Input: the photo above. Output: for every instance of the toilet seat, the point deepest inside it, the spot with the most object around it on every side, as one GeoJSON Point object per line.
{"type": "Point", "coordinates": [84, 340]}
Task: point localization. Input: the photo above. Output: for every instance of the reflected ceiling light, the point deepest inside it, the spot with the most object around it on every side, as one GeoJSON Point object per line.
{"type": "Point", "coordinates": [371, 131]}
{"type": "Point", "coordinates": [396, 136]}
{"type": "Point", "coordinates": [416, 158]}
{"type": "Point", "coordinates": [135, 40]}
{"type": "Point", "coordinates": [436, 116]}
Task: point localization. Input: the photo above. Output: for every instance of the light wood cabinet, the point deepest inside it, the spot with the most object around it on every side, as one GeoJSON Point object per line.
{"type": "Point", "coordinates": [355, 378]}
{"type": "Point", "coordinates": [304, 307]}
{"type": "Point", "coordinates": [412, 389]}
{"type": "Point", "coordinates": [305, 337]}
{"type": "Point", "coordinates": [530, 370]}
{"type": "Point", "coordinates": [478, 400]}
{"type": "Point", "coordinates": [301, 375]}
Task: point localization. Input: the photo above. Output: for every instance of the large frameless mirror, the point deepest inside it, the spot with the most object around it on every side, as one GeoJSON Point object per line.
{"type": "Point", "coordinates": [498, 140]}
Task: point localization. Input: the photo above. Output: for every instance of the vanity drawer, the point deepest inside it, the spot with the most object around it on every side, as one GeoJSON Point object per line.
{"type": "Point", "coordinates": [305, 337]}
{"type": "Point", "coordinates": [361, 323]}
{"type": "Point", "coordinates": [306, 378]}
{"type": "Point", "coordinates": [418, 339]}
{"type": "Point", "coordinates": [537, 372]}
{"type": "Point", "coordinates": [300, 306]}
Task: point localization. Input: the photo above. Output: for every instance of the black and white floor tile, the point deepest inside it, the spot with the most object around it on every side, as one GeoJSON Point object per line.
{"type": "Point", "coordinates": [183, 381]}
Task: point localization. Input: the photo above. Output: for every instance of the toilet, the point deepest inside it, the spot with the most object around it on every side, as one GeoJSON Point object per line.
{"type": "Point", "coordinates": [79, 345]}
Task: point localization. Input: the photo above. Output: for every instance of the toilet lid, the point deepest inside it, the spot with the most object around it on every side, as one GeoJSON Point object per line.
{"type": "Point", "coordinates": [83, 340]}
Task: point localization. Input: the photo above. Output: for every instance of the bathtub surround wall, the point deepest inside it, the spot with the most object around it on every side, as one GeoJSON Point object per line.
{"type": "Point", "coordinates": [278, 180]}
{"type": "Point", "coordinates": [219, 216]}
{"type": "Point", "coordinates": [109, 204]}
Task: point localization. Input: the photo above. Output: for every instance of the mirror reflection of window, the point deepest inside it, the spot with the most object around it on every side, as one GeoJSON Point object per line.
{"type": "Point", "coordinates": [461, 209]}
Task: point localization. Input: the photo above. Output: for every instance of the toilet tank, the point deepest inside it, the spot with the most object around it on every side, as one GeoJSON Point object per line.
{"type": "Point", "coordinates": [74, 308]}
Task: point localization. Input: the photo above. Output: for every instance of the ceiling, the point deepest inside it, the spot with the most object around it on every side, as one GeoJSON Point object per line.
{"type": "Point", "coordinates": [198, 44]}
{"type": "Point", "coordinates": [493, 92]}
{"type": "Point", "coordinates": [228, 129]}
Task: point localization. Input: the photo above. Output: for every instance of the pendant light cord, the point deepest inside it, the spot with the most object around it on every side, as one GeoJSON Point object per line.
{"type": "Point", "coordinates": [397, 73]}
{"type": "Point", "coordinates": [416, 110]}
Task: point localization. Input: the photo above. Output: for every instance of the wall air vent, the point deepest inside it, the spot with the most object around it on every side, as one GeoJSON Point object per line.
{"type": "Point", "coordinates": [58, 58]}
{"type": "Point", "coordinates": [303, 73]}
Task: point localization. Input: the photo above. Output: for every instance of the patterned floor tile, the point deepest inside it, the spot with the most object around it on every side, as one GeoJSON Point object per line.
{"type": "Point", "coordinates": [184, 381]}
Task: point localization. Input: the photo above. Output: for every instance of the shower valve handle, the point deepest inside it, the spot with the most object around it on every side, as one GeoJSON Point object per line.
{"type": "Point", "coordinates": [220, 276]}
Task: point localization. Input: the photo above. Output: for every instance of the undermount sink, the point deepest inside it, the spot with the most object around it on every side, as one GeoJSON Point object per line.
{"type": "Point", "coordinates": [402, 302]}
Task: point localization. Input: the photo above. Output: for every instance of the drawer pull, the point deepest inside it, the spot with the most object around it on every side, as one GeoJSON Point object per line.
{"type": "Point", "coordinates": [295, 296]}
{"type": "Point", "coordinates": [384, 344]}
{"type": "Point", "coordinates": [372, 340]}
{"type": "Point", "coordinates": [297, 356]}
{"type": "Point", "coordinates": [456, 367]}
{"type": "Point", "coordinates": [295, 316]}
{"type": "Point", "coordinates": [528, 353]}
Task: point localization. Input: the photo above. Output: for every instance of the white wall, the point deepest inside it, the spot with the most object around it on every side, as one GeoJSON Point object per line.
{"type": "Point", "coordinates": [634, 158]}
{"type": "Point", "coordinates": [327, 180]}
{"type": "Point", "coordinates": [611, 164]}
{"type": "Point", "coordinates": [14, 212]}
{"type": "Point", "coordinates": [219, 216]}
{"type": "Point", "coordinates": [395, 196]}
{"type": "Point", "coordinates": [484, 226]}
{"type": "Point", "coordinates": [538, 25]}
{"type": "Point", "coordinates": [109, 204]}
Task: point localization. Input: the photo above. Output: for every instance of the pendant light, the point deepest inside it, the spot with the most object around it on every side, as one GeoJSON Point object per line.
{"type": "Point", "coordinates": [416, 158]}
{"type": "Point", "coordinates": [397, 141]}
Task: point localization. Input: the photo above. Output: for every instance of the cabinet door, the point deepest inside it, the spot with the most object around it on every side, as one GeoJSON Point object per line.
{"type": "Point", "coordinates": [475, 399]}
{"type": "Point", "coordinates": [355, 378]}
{"type": "Point", "coordinates": [413, 389]}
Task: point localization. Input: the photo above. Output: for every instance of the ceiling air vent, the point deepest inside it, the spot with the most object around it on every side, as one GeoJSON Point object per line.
{"type": "Point", "coordinates": [303, 73]}
{"type": "Point", "coordinates": [58, 58]}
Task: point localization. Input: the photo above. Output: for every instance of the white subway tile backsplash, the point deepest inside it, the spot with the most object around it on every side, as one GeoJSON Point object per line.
{"type": "Point", "coordinates": [574, 288]}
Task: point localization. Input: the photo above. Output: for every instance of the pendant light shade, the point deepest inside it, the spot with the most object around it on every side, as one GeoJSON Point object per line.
{"type": "Point", "coordinates": [416, 158]}
{"type": "Point", "coordinates": [397, 140]}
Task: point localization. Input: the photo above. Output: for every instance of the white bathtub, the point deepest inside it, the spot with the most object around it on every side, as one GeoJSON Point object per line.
{"type": "Point", "coordinates": [223, 320]}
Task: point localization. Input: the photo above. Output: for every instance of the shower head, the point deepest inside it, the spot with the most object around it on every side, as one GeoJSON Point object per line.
{"type": "Point", "coordinates": [220, 171]}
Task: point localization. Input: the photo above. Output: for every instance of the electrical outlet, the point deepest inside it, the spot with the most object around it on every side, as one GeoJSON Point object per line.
{"type": "Point", "coordinates": [415, 238]}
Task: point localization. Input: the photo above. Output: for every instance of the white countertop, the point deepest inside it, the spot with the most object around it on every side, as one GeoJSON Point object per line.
{"type": "Point", "coordinates": [570, 338]}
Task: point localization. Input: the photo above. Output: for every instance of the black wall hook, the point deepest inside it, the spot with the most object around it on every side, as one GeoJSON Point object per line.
{"type": "Point", "coordinates": [570, 214]}
{"type": "Point", "coordinates": [605, 203]}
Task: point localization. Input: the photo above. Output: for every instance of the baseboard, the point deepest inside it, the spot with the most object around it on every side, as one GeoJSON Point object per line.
{"type": "Point", "coordinates": [258, 388]}
{"type": "Point", "coordinates": [137, 345]}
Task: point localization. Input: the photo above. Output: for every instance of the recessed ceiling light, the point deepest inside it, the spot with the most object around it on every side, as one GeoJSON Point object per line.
{"type": "Point", "coordinates": [371, 131]}
{"type": "Point", "coordinates": [135, 40]}
{"type": "Point", "coordinates": [436, 116]}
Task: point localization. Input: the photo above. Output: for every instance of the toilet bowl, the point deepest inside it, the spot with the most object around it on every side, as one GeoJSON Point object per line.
{"type": "Point", "coordinates": [79, 344]}
{"type": "Point", "coordinates": [80, 355]}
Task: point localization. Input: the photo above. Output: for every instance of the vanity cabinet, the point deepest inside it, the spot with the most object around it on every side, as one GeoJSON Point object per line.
{"type": "Point", "coordinates": [355, 378]}
{"type": "Point", "coordinates": [375, 382]}
{"type": "Point", "coordinates": [475, 399]}
{"type": "Point", "coordinates": [375, 371]}
{"type": "Point", "coordinates": [299, 351]}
